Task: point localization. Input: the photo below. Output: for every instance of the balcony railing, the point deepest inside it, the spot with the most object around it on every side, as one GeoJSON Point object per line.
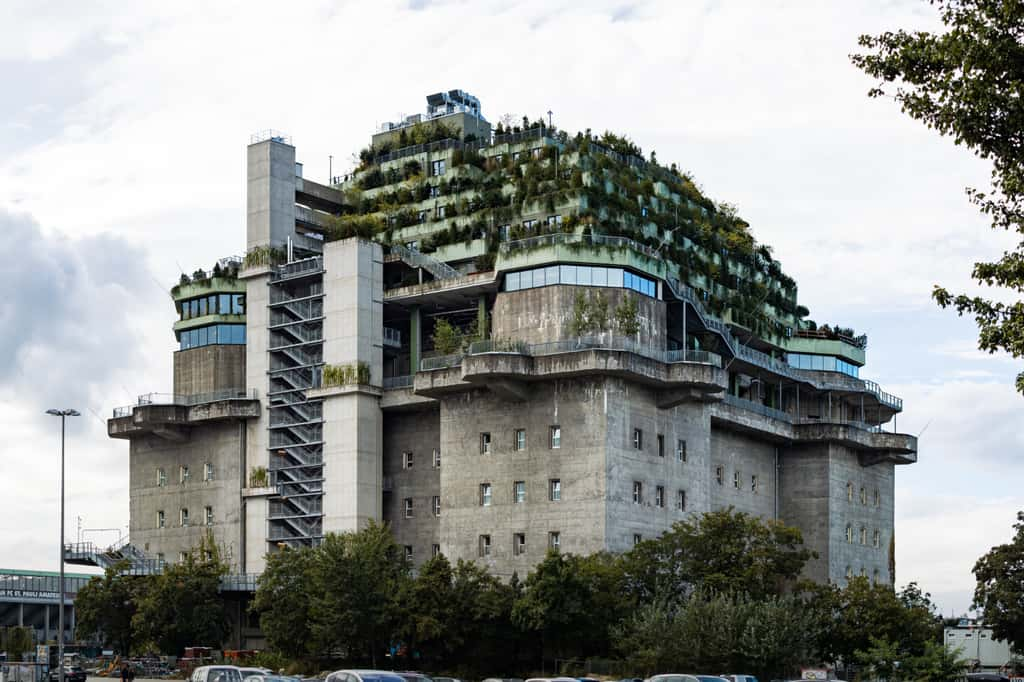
{"type": "Point", "coordinates": [584, 343]}
{"type": "Point", "coordinates": [440, 362]}
{"type": "Point", "coordinates": [298, 268]}
{"type": "Point", "coordinates": [773, 413]}
{"type": "Point", "coordinates": [187, 400]}
{"type": "Point", "coordinates": [397, 382]}
{"type": "Point", "coordinates": [573, 238]}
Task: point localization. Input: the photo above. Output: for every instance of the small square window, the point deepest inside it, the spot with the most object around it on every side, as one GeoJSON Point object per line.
{"type": "Point", "coordinates": [407, 507]}
{"type": "Point", "coordinates": [659, 496]}
{"type": "Point", "coordinates": [637, 539]}
{"type": "Point", "coordinates": [519, 492]}
{"type": "Point", "coordinates": [435, 505]}
{"type": "Point", "coordinates": [485, 494]}
{"type": "Point", "coordinates": [555, 490]}
{"type": "Point", "coordinates": [519, 544]}
{"type": "Point", "coordinates": [435, 550]}
{"type": "Point", "coordinates": [849, 492]}
{"type": "Point", "coordinates": [877, 539]}
{"type": "Point", "coordinates": [849, 534]}
{"type": "Point", "coordinates": [183, 475]}
{"type": "Point", "coordinates": [878, 498]}
{"type": "Point", "coordinates": [719, 473]}
{"type": "Point", "coordinates": [485, 443]}
{"type": "Point", "coordinates": [638, 492]}
{"type": "Point", "coordinates": [638, 439]}
{"type": "Point", "coordinates": [485, 545]}
{"type": "Point", "coordinates": [556, 437]}
{"type": "Point", "coordinates": [680, 450]}
{"type": "Point", "coordinates": [437, 459]}
{"type": "Point", "coordinates": [554, 541]}
{"type": "Point", "coordinates": [208, 471]}
{"type": "Point", "coordinates": [407, 460]}
{"type": "Point", "coordinates": [680, 500]}
{"type": "Point", "coordinates": [437, 167]}
{"type": "Point", "coordinates": [519, 443]}
{"type": "Point", "coordinates": [863, 536]}
{"type": "Point", "coordinates": [661, 445]}
{"type": "Point", "coordinates": [182, 557]}
{"type": "Point", "coordinates": [408, 552]}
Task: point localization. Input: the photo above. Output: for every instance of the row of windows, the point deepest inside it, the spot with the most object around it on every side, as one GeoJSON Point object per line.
{"type": "Point", "coordinates": [184, 474]}
{"type": "Point", "coordinates": [485, 545]}
{"type": "Point", "coordinates": [183, 518]}
{"type": "Point", "coordinates": [486, 492]}
{"type": "Point", "coordinates": [408, 511]}
{"type": "Point", "coordinates": [876, 538]}
{"type": "Point", "coordinates": [737, 479]}
{"type": "Point", "coordinates": [408, 459]}
{"type": "Point", "coordinates": [863, 573]}
{"type": "Point", "coordinates": [659, 496]}
{"type": "Point", "coordinates": [638, 444]}
{"type": "Point", "coordinates": [823, 363]}
{"type": "Point", "coordinates": [519, 440]}
{"type": "Point", "coordinates": [213, 334]}
{"type": "Point", "coordinates": [214, 304]}
{"type": "Point", "coordinates": [863, 495]}
{"type": "Point", "coordinates": [583, 275]}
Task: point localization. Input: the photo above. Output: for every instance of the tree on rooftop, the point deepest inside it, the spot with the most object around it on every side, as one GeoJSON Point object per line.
{"type": "Point", "coordinates": [966, 82]}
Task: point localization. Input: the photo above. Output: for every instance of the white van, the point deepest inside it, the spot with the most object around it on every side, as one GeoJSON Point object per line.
{"type": "Point", "coordinates": [216, 673]}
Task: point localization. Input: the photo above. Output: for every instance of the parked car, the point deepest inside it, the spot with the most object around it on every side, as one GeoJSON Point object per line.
{"type": "Point", "coordinates": [447, 679]}
{"type": "Point", "coordinates": [270, 678]}
{"type": "Point", "coordinates": [710, 678]}
{"type": "Point", "coordinates": [739, 678]}
{"type": "Point", "coordinates": [72, 673]}
{"type": "Point", "coordinates": [216, 673]}
{"type": "Point", "coordinates": [250, 671]}
{"type": "Point", "coordinates": [503, 679]}
{"type": "Point", "coordinates": [551, 679]}
{"type": "Point", "coordinates": [410, 676]}
{"type": "Point", "coordinates": [673, 677]}
{"type": "Point", "coordinates": [364, 676]}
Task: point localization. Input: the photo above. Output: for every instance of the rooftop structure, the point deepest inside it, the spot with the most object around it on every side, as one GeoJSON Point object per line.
{"type": "Point", "coordinates": [501, 342]}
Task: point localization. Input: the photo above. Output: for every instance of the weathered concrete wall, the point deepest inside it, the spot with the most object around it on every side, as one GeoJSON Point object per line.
{"type": "Point", "coordinates": [270, 194]}
{"type": "Point", "coordinates": [218, 444]}
{"type": "Point", "coordinates": [742, 457]}
{"type": "Point", "coordinates": [629, 406]}
{"type": "Point", "coordinates": [804, 499]}
{"type": "Point", "coordinates": [208, 369]}
{"type": "Point", "coordinates": [417, 432]}
{"type": "Point", "coordinates": [546, 314]}
{"type": "Point", "coordinates": [578, 407]}
{"type": "Point", "coordinates": [862, 558]}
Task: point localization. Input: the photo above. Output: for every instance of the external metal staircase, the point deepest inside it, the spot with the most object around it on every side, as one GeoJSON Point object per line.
{"type": "Point", "coordinates": [417, 259]}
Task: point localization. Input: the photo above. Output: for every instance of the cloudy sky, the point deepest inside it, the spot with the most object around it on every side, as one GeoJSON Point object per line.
{"type": "Point", "coordinates": [122, 144]}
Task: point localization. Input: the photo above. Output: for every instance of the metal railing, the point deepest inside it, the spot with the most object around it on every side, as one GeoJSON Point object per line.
{"type": "Point", "coordinates": [584, 343]}
{"type": "Point", "coordinates": [789, 418]}
{"type": "Point", "coordinates": [187, 400]}
{"type": "Point", "coordinates": [572, 238]}
{"type": "Point", "coordinates": [883, 397]}
{"type": "Point", "coordinates": [417, 259]}
{"type": "Point", "coordinates": [440, 362]}
{"type": "Point", "coordinates": [397, 382]}
{"type": "Point", "coordinates": [270, 134]}
{"type": "Point", "coordinates": [298, 268]}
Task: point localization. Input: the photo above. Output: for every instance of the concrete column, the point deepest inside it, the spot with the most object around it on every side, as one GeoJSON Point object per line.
{"type": "Point", "coordinates": [46, 622]}
{"type": "Point", "coordinates": [481, 317]}
{"type": "Point", "coordinates": [415, 325]}
{"type": "Point", "coordinates": [270, 194]}
{"type": "Point", "coordinates": [21, 614]}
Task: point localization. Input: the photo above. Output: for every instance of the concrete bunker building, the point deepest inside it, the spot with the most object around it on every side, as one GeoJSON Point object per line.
{"type": "Point", "coordinates": [502, 341]}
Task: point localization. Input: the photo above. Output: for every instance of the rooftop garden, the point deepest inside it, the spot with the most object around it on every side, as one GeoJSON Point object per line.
{"type": "Point", "coordinates": [225, 268]}
{"type": "Point", "coordinates": [533, 180]}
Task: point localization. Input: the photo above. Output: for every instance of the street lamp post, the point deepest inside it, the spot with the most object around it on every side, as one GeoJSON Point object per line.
{"type": "Point", "coordinates": [63, 414]}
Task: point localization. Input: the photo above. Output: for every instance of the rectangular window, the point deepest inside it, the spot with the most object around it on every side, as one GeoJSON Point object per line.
{"type": "Point", "coordinates": [224, 304]}
{"type": "Point", "coordinates": [436, 505]}
{"type": "Point", "coordinates": [554, 541]}
{"type": "Point", "coordinates": [637, 539]}
{"type": "Point", "coordinates": [485, 494]}
{"type": "Point", "coordinates": [407, 507]}
{"type": "Point", "coordinates": [659, 496]}
{"type": "Point", "coordinates": [208, 515]}
{"type": "Point", "coordinates": [718, 475]}
{"type": "Point", "coordinates": [520, 440]}
{"type": "Point", "coordinates": [485, 443]}
{"type": "Point", "coordinates": [435, 191]}
{"type": "Point", "coordinates": [519, 492]}
{"type": "Point", "coordinates": [183, 474]}
{"type": "Point", "coordinates": [408, 552]}
{"type": "Point", "coordinates": [407, 460]}
{"type": "Point", "coordinates": [183, 517]}
{"type": "Point", "coordinates": [753, 483]}
{"type": "Point", "coordinates": [182, 557]}
{"type": "Point", "coordinates": [202, 307]}
{"type": "Point", "coordinates": [556, 437]}
{"type": "Point", "coordinates": [680, 500]}
{"type": "Point", "coordinates": [680, 450]}
{"type": "Point", "coordinates": [437, 459]}
{"type": "Point", "coordinates": [736, 480]}
{"type": "Point", "coordinates": [439, 212]}
{"type": "Point", "coordinates": [530, 225]}
{"type": "Point", "coordinates": [435, 550]}
{"type": "Point", "coordinates": [437, 167]}
{"type": "Point", "coordinates": [208, 471]}
{"type": "Point", "coordinates": [519, 544]}
{"type": "Point", "coordinates": [485, 545]}
{"type": "Point", "coordinates": [661, 445]}
{"type": "Point", "coordinates": [237, 304]}
{"type": "Point", "coordinates": [160, 520]}
{"type": "Point", "coordinates": [422, 216]}
{"type": "Point", "coordinates": [555, 490]}
{"type": "Point", "coordinates": [638, 492]}
{"type": "Point", "coordinates": [638, 439]}
{"type": "Point", "coordinates": [161, 478]}
{"type": "Point", "coordinates": [160, 557]}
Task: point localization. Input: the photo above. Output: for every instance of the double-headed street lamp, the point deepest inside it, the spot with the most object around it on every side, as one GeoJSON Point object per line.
{"type": "Point", "coordinates": [63, 414]}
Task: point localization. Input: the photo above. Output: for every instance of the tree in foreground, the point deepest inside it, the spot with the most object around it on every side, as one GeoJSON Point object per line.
{"type": "Point", "coordinates": [182, 606]}
{"type": "Point", "coordinates": [1000, 589]}
{"type": "Point", "coordinates": [105, 607]}
{"type": "Point", "coordinates": [283, 598]}
{"type": "Point", "coordinates": [967, 83]}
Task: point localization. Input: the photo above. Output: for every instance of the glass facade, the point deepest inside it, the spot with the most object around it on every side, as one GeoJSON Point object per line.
{"type": "Point", "coordinates": [581, 275]}
{"type": "Point", "coordinates": [822, 363]}
{"type": "Point", "coordinates": [214, 334]}
{"type": "Point", "coordinates": [214, 304]}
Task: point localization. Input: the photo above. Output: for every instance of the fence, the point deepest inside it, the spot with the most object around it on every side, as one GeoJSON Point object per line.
{"type": "Point", "coordinates": [188, 400]}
